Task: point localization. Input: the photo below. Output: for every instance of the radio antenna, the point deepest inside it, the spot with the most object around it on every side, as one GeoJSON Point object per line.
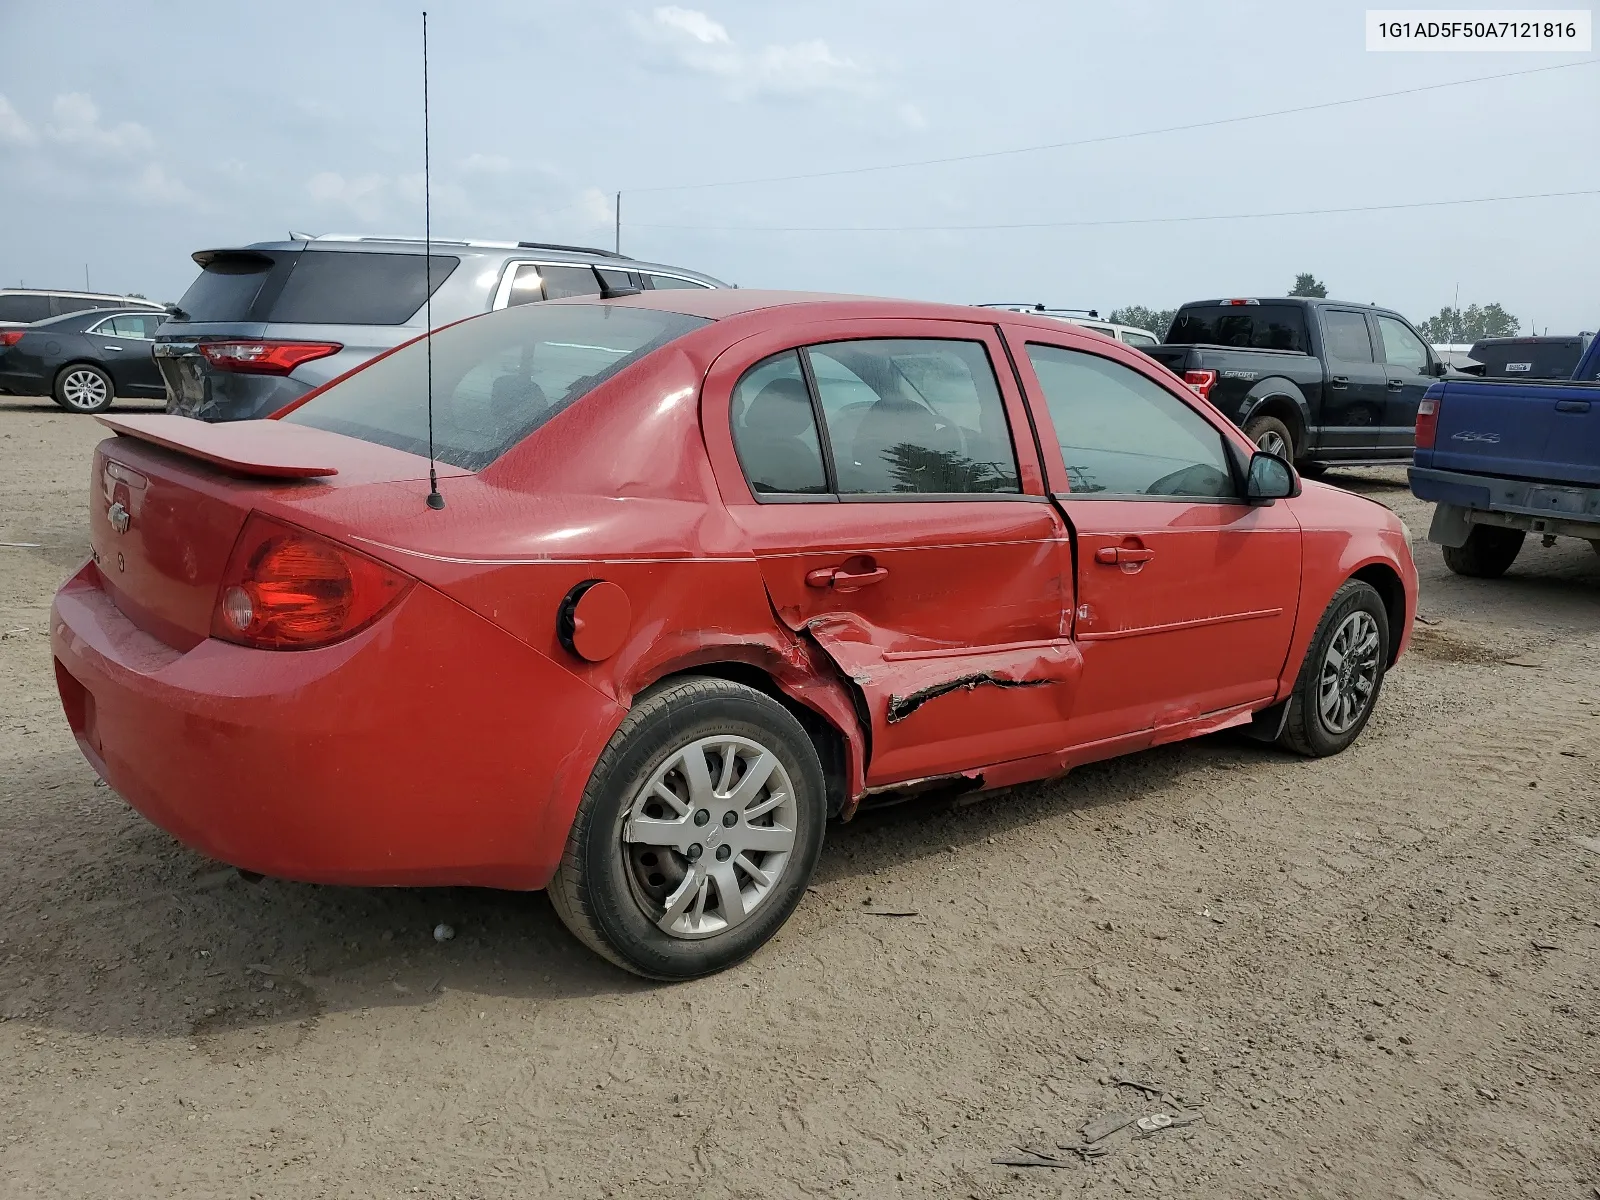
{"type": "Point", "coordinates": [435, 499]}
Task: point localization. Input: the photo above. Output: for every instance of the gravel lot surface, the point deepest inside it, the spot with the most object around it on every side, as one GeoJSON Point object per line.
{"type": "Point", "coordinates": [1374, 975]}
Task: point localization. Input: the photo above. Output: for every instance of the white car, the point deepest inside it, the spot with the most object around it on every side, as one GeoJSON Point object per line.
{"type": "Point", "coordinates": [1088, 318]}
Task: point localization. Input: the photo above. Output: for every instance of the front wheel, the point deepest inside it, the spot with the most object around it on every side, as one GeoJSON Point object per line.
{"type": "Point", "coordinates": [1342, 674]}
{"type": "Point", "coordinates": [84, 388]}
{"type": "Point", "coordinates": [697, 834]}
{"type": "Point", "coordinates": [1487, 553]}
{"type": "Point", "coordinates": [1271, 436]}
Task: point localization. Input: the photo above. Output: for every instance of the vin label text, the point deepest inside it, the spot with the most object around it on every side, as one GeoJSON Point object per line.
{"type": "Point", "coordinates": [1563, 30]}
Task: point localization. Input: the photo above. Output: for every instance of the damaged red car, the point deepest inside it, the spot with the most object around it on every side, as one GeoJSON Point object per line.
{"type": "Point", "coordinates": [712, 568]}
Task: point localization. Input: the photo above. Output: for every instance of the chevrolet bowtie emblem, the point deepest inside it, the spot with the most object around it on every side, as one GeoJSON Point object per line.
{"type": "Point", "coordinates": [117, 514]}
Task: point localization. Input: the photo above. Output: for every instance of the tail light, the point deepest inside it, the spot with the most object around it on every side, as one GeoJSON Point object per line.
{"type": "Point", "coordinates": [1428, 421]}
{"type": "Point", "coordinates": [10, 337]}
{"type": "Point", "coordinates": [1201, 382]}
{"type": "Point", "coordinates": [287, 589]}
{"type": "Point", "coordinates": [265, 358]}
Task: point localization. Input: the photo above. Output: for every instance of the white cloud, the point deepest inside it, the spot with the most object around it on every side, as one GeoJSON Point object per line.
{"type": "Point", "coordinates": [912, 116]}
{"type": "Point", "coordinates": [155, 186]}
{"type": "Point", "coordinates": [486, 164]}
{"type": "Point", "coordinates": [77, 124]}
{"type": "Point", "coordinates": [701, 44]}
{"type": "Point", "coordinates": [597, 208]}
{"type": "Point", "coordinates": [363, 196]}
{"type": "Point", "coordinates": [14, 131]}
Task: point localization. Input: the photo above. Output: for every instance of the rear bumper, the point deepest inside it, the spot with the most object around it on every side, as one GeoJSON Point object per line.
{"type": "Point", "coordinates": [431, 748]}
{"type": "Point", "coordinates": [1466, 499]}
{"type": "Point", "coordinates": [196, 390]}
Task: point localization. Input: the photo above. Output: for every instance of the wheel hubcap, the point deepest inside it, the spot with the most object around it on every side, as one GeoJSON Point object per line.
{"type": "Point", "coordinates": [84, 389]}
{"type": "Point", "coordinates": [1349, 673]}
{"type": "Point", "coordinates": [1272, 443]}
{"type": "Point", "coordinates": [709, 836]}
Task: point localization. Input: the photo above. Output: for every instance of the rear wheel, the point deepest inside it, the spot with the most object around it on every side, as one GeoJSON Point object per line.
{"type": "Point", "coordinates": [697, 834]}
{"type": "Point", "coordinates": [1271, 436]}
{"type": "Point", "coordinates": [84, 388]}
{"type": "Point", "coordinates": [1486, 554]}
{"type": "Point", "coordinates": [1342, 674]}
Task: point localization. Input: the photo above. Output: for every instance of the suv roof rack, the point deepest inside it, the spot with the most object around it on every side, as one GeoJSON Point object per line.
{"type": "Point", "coordinates": [1024, 306]}
{"type": "Point", "coordinates": [410, 240]}
{"type": "Point", "coordinates": [576, 249]}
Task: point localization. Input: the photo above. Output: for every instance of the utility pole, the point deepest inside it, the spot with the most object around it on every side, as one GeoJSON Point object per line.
{"type": "Point", "coordinates": [617, 245]}
{"type": "Point", "coordinates": [86, 277]}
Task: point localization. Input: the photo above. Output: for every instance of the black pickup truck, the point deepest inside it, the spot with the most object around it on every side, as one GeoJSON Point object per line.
{"type": "Point", "coordinates": [1315, 381]}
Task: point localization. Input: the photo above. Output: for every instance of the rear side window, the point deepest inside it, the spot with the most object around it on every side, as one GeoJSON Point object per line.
{"type": "Point", "coordinates": [670, 283]}
{"type": "Point", "coordinates": [1124, 435]}
{"type": "Point", "coordinates": [551, 281]}
{"type": "Point", "coordinates": [775, 431]}
{"type": "Point", "coordinates": [1247, 326]}
{"type": "Point", "coordinates": [1347, 336]}
{"type": "Point", "coordinates": [496, 378]}
{"type": "Point", "coordinates": [1529, 360]}
{"type": "Point", "coordinates": [227, 287]}
{"type": "Point", "coordinates": [62, 305]}
{"type": "Point", "coordinates": [24, 308]}
{"type": "Point", "coordinates": [333, 288]}
{"type": "Point", "coordinates": [1142, 341]}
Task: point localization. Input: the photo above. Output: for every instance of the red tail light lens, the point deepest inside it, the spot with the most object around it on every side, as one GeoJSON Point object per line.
{"type": "Point", "coordinates": [265, 358]}
{"type": "Point", "coordinates": [287, 589]}
{"type": "Point", "coordinates": [1201, 382]}
{"type": "Point", "coordinates": [10, 337]}
{"type": "Point", "coordinates": [1427, 422]}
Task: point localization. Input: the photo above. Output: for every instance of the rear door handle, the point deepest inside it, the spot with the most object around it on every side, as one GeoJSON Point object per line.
{"type": "Point", "coordinates": [1115, 556]}
{"type": "Point", "coordinates": [111, 347]}
{"type": "Point", "coordinates": [1339, 381]}
{"type": "Point", "coordinates": [841, 580]}
{"type": "Point", "coordinates": [1396, 384]}
{"type": "Point", "coordinates": [1572, 406]}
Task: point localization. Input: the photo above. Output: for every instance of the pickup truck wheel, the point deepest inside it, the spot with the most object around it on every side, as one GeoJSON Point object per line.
{"type": "Point", "coordinates": [1486, 554]}
{"type": "Point", "coordinates": [1272, 436]}
{"type": "Point", "coordinates": [1342, 674]}
{"type": "Point", "coordinates": [697, 834]}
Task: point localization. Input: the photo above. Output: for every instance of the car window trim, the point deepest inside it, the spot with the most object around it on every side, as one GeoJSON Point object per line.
{"type": "Point", "coordinates": [508, 272]}
{"type": "Point", "coordinates": [826, 442]}
{"type": "Point", "coordinates": [675, 275]}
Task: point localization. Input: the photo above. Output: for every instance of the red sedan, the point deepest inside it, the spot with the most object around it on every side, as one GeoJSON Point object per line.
{"type": "Point", "coordinates": [711, 568]}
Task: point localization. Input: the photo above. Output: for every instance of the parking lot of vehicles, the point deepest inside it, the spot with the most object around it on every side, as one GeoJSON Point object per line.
{"type": "Point", "coordinates": [24, 306]}
{"type": "Point", "coordinates": [1088, 318]}
{"type": "Point", "coordinates": [742, 559]}
{"type": "Point", "coordinates": [1319, 382]}
{"type": "Point", "coordinates": [85, 360]}
{"type": "Point", "coordinates": [264, 324]}
{"type": "Point", "coordinates": [1509, 455]}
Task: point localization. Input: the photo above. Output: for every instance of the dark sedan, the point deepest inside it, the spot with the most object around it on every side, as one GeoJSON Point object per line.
{"type": "Point", "coordinates": [84, 359]}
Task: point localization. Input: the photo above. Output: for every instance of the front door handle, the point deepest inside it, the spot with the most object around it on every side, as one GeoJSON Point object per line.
{"type": "Point", "coordinates": [841, 580]}
{"type": "Point", "coordinates": [1116, 556]}
{"type": "Point", "coordinates": [1339, 381]}
{"type": "Point", "coordinates": [111, 347]}
{"type": "Point", "coordinates": [1396, 384]}
{"type": "Point", "coordinates": [1572, 406]}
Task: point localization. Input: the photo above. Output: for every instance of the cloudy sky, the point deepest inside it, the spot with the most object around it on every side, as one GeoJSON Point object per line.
{"type": "Point", "coordinates": [181, 125]}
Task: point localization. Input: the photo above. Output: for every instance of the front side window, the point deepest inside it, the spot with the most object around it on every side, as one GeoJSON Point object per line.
{"type": "Point", "coordinates": [1347, 336]}
{"type": "Point", "coordinates": [1141, 341]}
{"type": "Point", "coordinates": [775, 429]}
{"type": "Point", "coordinates": [914, 416]}
{"type": "Point", "coordinates": [1122, 434]}
{"type": "Point", "coordinates": [546, 281]}
{"type": "Point", "coordinates": [1401, 347]}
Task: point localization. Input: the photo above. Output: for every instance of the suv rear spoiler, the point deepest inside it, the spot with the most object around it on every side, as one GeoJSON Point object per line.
{"type": "Point", "coordinates": [260, 449]}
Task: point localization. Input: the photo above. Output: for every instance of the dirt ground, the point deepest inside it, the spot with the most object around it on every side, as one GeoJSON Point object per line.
{"type": "Point", "coordinates": [1374, 975]}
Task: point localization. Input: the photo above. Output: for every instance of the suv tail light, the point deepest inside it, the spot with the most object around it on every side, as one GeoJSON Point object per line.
{"type": "Point", "coordinates": [265, 358]}
{"type": "Point", "coordinates": [1201, 382]}
{"type": "Point", "coordinates": [287, 589]}
{"type": "Point", "coordinates": [10, 337]}
{"type": "Point", "coordinates": [1428, 421]}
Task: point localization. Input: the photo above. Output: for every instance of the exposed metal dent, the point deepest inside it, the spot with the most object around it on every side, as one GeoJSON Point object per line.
{"type": "Point", "coordinates": [901, 707]}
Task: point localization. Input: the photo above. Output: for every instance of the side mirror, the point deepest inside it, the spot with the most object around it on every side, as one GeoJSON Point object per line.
{"type": "Point", "coordinates": [1270, 478]}
{"type": "Point", "coordinates": [1440, 368]}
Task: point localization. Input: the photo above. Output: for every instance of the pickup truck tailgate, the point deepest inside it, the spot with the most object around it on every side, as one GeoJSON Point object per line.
{"type": "Point", "coordinates": [1520, 430]}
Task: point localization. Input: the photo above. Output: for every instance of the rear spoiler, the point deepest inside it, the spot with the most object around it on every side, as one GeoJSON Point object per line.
{"type": "Point", "coordinates": [261, 449]}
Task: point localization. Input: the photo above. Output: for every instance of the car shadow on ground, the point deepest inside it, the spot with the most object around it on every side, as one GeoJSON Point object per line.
{"type": "Point", "coordinates": [138, 937]}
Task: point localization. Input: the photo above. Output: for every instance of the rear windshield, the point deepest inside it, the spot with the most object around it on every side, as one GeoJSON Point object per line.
{"type": "Point", "coordinates": [1556, 359]}
{"type": "Point", "coordinates": [1248, 326]}
{"type": "Point", "coordinates": [496, 378]}
{"type": "Point", "coordinates": [313, 287]}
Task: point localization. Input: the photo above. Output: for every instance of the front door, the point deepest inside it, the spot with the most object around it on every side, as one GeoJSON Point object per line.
{"type": "Point", "coordinates": [1186, 596]}
{"type": "Point", "coordinates": [127, 342]}
{"type": "Point", "coordinates": [878, 479]}
{"type": "Point", "coordinates": [1355, 392]}
{"type": "Point", "coordinates": [1408, 368]}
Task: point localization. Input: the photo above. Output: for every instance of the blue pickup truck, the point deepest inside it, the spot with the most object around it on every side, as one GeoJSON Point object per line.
{"type": "Point", "coordinates": [1503, 459]}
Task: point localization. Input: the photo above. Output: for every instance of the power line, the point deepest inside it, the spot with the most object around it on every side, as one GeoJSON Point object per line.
{"type": "Point", "coordinates": [1299, 212]}
{"type": "Point", "coordinates": [1110, 137]}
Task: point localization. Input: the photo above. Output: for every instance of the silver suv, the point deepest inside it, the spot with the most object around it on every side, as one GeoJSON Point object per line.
{"type": "Point", "coordinates": [264, 324]}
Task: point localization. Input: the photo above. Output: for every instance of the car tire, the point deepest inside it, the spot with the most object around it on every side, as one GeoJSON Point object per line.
{"type": "Point", "coordinates": [646, 905]}
{"type": "Point", "coordinates": [1271, 435]}
{"type": "Point", "coordinates": [83, 388]}
{"type": "Point", "coordinates": [1487, 553]}
{"type": "Point", "coordinates": [1342, 675]}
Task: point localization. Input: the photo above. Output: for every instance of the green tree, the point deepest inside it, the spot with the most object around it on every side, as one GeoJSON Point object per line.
{"type": "Point", "coordinates": [1457, 326]}
{"type": "Point", "coordinates": [1156, 320]}
{"type": "Point", "coordinates": [1307, 284]}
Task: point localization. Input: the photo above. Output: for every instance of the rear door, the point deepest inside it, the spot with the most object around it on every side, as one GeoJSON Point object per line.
{"type": "Point", "coordinates": [1408, 370]}
{"type": "Point", "coordinates": [1356, 392]}
{"type": "Point", "coordinates": [124, 343]}
{"type": "Point", "coordinates": [903, 527]}
{"type": "Point", "coordinates": [1186, 595]}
